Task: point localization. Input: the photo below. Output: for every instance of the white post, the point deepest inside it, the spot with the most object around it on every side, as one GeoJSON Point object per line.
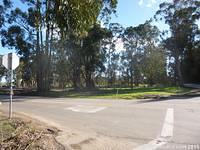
{"type": "Point", "coordinates": [11, 62]}
{"type": "Point", "coordinates": [11, 94]}
{"type": "Point", "coordinates": [10, 67]}
{"type": "Point", "coordinates": [117, 93]}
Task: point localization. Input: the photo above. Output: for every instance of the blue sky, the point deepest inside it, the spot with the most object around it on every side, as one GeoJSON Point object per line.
{"type": "Point", "coordinates": [134, 12]}
{"type": "Point", "coordinates": [129, 13]}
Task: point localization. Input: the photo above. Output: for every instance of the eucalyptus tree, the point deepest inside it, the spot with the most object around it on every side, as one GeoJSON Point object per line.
{"type": "Point", "coordinates": [112, 52]}
{"type": "Point", "coordinates": [35, 30]}
{"type": "Point", "coordinates": [5, 5]}
{"type": "Point", "coordinates": [132, 42]}
{"type": "Point", "coordinates": [2, 72]}
{"type": "Point", "coordinates": [74, 25]}
{"type": "Point", "coordinates": [92, 55]}
{"type": "Point", "coordinates": [153, 62]}
{"type": "Point", "coordinates": [69, 65]}
{"type": "Point", "coordinates": [18, 34]}
{"type": "Point", "coordinates": [142, 54]}
{"type": "Point", "coordinates": [181, 16]}
{"type": "Point", "coordinates": [154, 65]}
{"type": "Point", "coordinates": [124, 69]}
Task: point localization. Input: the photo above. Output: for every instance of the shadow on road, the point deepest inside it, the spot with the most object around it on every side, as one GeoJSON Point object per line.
{"type": "Point", "coordinates": [6, 98]}
{"type": "Point", "coordinates": [185, 96]}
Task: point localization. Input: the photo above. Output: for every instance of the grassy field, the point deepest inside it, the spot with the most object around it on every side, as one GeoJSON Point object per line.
{"type": "Point", "coordinates": [109, 93]}
{"type": "Point", "coordinates": [123, 93]}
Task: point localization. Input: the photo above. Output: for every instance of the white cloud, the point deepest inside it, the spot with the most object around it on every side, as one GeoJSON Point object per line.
{"type": "Point", "coordinates": [140, 2]}
{"type": "Point", "coordinates": [148, 3]}
{"type": "Point", "coordinates": [153, 1]}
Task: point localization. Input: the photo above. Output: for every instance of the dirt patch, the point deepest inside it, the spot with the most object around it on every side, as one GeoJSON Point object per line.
{"type": "Point", "coordinates": [77, 146]}
{"type": "Point", "coordinates": [18, 133]}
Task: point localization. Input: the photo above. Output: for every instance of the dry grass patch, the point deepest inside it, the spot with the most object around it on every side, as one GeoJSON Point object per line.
{"type": "Point", "coordinates": [18, 134]}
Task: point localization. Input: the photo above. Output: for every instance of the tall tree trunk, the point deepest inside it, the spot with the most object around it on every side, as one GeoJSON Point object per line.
{"type": "Point", "coordinates": [178, 73]}
{"type": "Point", "coordinates": [47, 44]}
{"type": "Point", "coordinates": [38, 50]}
{"type": "Point", "coordinates": [50, 57]}
{"type": "Point", "coordinates": [76, 78]}
{"type": "Point", "coordinates": [42, 56]}
{"type": "Point", "coordinates": [180, 77]}
{"type": "Point", "coordinates": [89, 81]}
{"type": "Point", "coordinates": [38, 57]}
{"type": "Point", "coordinates": [131, 72]}
{"type": "Point", "coordinates": [136, 76]}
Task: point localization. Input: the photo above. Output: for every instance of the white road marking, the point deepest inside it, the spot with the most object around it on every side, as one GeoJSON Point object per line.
{"type": "Point", "coordinates": [166, 133]}
{"type": "Point", "coordinates": [85, 108]}
{"type": "Point", "coordinates": [47, 102]}
{"type": "Point", "coordinates": [167, 130]}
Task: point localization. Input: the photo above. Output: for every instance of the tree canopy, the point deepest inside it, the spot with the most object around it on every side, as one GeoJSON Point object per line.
{"type": "Point", "coordinates": [62, 43]}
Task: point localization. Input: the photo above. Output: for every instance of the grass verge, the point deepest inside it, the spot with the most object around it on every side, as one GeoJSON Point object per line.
{"type": "Point", "coordinates": [117, 93]}
{"type": "Point", "coordinates": [21, 134]}
{"type": "Point", "coordinates": [110, 93]}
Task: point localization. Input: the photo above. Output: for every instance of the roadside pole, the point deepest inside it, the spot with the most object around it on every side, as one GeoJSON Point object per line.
{"type": "Point", "coordinates": [11, 94]}
{"type": "Point", "coordinates": [117, 93]}
{"type": "Point", "coordinates": [10, 62]}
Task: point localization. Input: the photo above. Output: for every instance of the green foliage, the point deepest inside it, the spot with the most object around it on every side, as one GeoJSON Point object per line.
{"type": "Point", "coordinates": [6, 4]}
{"type": "Point", "coordinates": [2, 71]}
{"type": "Point", "coordinates": [142, 56]}
{"type": "Point", "coordinates": [112, 55]}
{"type": "Point", "coordinates": [92, 56]}
{"type": "Point", "coordinates": [182, 16]}
{"type": "Point", "coordinates": [35, 32]}
{"type": "Point", "coordinates": [154, 65]}
{"type": "Point", "coordinates": [61, 43]}
{"type": "Point", "coordinates": [78, 16]}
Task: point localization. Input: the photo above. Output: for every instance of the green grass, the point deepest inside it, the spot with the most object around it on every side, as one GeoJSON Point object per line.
{"type": "Point", "coordinates": [6, 128]}
{"type": "Point", "coordinates": [123, 93]}
{"type": "Point", "coordinates": [109, 93]}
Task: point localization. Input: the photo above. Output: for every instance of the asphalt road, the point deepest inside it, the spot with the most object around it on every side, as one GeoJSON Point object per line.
{"type": "Point", "coordinates": [168, 124]}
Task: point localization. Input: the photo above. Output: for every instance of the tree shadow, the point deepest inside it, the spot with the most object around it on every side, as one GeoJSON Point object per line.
{"type": "Point", "coordinates": [17, 98]}
{"type": "Point", "coordinates": [186, 96]}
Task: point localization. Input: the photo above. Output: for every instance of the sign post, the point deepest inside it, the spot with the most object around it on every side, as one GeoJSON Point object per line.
{"type": "Point", "coordinates": [11, 62]}
{"type": "Point", "coordinates": [11, 94]}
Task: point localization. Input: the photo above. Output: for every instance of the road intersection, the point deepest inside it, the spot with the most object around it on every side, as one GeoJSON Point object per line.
{"type": "Point", "coordinates": [168, 124]}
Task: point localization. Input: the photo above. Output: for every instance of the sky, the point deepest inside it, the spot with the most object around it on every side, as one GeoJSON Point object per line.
{"type": "Point", "coordinates": [135, 12]}
{"type": "Point", "coordinates": [129, 13]}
